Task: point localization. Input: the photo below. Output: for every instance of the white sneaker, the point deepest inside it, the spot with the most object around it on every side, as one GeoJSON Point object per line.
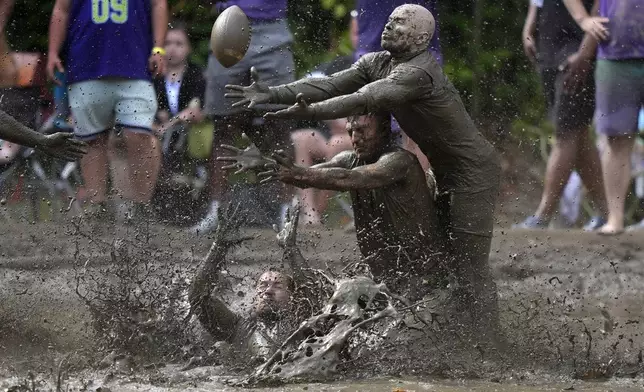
{"type": "Point", "coordinates": [209, 222]}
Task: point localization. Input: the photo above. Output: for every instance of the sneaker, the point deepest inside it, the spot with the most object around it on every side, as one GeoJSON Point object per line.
{"type": "Point", "coordinates": [636, 227]}
{"type": "Point", "coordinates": [532, 222]}
{"type": "Point", "coordinates": [209, 222]}
{"type": "Point", "coordinates": [594, 223]}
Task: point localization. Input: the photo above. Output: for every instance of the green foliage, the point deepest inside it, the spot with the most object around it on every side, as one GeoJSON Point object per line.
{"type": "Point", "coordinates": [508, 86]}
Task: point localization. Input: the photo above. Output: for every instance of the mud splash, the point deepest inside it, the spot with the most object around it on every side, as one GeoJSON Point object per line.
{"type": "Point", "coordinates": [571, 311]}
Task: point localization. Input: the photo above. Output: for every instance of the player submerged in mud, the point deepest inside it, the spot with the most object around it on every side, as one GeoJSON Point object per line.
{"type": "Point", "coordinates": [407, 81]}
{"type": "Point", "coordinates": [281, 299]}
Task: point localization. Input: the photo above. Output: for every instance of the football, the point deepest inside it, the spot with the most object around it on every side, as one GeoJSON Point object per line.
{"type": "Point", "coordinates": [230, 36]}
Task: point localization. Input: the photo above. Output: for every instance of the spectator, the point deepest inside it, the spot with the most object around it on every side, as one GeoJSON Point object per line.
{"type": "Point", "coordinates": [109, 54]}
{"type": "Point", "coordinates": [181, 91]}
{"type": "Point", "coordinates": [372, 17]}
{"type": "Point", "coordinates": [312, 145]}
{"type": "Point", "coordinates": [8, 70]}
{"type": "Point", "coordinates": [270, 54]}
{"type": "Point", "coordinates": [565, 67]}
{"type": "Point", "coordinates": [619, 79]}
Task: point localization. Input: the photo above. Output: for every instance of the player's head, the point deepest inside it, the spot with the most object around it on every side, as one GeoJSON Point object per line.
{"type": "Point", "coordinates": [409, 29]}
{"type": "Point", "coordinates": [177, 43]}
{"type": "Point", "coordinates": [369, 134]}
{"type": "Point", "coordinates": [273, 295]}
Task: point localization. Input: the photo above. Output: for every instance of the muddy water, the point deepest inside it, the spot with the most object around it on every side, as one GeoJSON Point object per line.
{"type": "Point", "coordinates": [571, 304]}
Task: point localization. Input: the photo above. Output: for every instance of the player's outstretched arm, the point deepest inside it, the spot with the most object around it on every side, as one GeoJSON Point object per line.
{"type": "Point", "coordinates": [389, 169]}
{"type": "Point", "coordinates": [403, 85]}
{"type": "Point", "coordinates": [312, 89]}
{"type": "Point", "coordinates": [60, 145]}
{"type": "Point", "coordinates": [213, 314]}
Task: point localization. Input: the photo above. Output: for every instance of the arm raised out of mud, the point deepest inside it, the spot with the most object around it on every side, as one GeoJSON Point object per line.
{"type": "Point", "coordinates": [403, 85]}
{"type": "Point", "coordinates": [313, 89]}
{"type": "Point", "coordinates": [337, 176]}
{"type": "Point", "coordinates": [213, 314]}
{"type": "Point", "coordinates": [287, 240]}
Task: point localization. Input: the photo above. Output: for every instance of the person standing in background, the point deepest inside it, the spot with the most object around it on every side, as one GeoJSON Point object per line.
{"type": "Point", "coordinates": [269, 52]}
{"type": "Point", "coordinates": [565, 64]}
{"type": "Point", "coordinates": [619, 81]}
{"type": "Point", "coordinates": [111, 50]}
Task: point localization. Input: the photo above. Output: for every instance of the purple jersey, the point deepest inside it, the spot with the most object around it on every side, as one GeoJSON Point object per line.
{"type": "Point", "coordinates": [373, 16]}
{"type": "Point", "coordinates": [258, 10]}
{"type": "Point", "coordinates": [108, 38]}
{"type": "Point", "coordinates": [626, 29]}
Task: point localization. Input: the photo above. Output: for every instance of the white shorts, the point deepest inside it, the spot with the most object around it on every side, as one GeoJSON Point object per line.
{"type": "Point", "coordinates": [100, 105]}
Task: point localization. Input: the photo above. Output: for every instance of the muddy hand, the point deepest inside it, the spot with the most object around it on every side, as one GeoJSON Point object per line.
{"type": "Point", "coordinates": [279, 169]}
{"type": "Point", "coordinates": [287, 237]}
{"type": "Point", "coordinates": [62, 145]}
{"type": "Point", "coordinates": [230, 221]}
{"type": "Point", "coordinates": [301, 110]}
{"type": "Point", "coordinates": [256, 93]}
{"type": "Point", "coordinates": [244, 160]}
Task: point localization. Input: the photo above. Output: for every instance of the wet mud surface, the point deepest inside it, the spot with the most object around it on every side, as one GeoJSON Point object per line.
{"type": "Point", "coordinates": [570, 303]}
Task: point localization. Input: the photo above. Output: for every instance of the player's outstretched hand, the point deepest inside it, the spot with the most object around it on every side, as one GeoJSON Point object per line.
{"type": "Point", "coordinates": [256, 93]}
{"type": "Point", "coordinates": [282, 169]}
{"type": "Point", "coordinates": [230, 221]}
{"type": "Point", "coordinates": [287, 237]}
{"type": "Point", "coordinates": [62, 145]}
{"type": "Point", "coordinates": [300, 111]}
{"type": "Point", "coordinates": [244, 160]}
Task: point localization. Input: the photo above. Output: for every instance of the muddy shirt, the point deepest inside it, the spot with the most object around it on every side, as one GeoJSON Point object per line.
{"type": "Point", "coordinates": [425, 104]}
{"type": "Point", "coordinates": [395, 220]}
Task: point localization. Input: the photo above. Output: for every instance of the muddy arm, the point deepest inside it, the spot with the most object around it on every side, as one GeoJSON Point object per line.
{"type": "Point", "coordinates": [287, 240]}
{"type": "Point", "coordinates": [389, 169]}
{"type": "Point", "coordinates": [319, 89]}
{"type": "Point", "coordinates": [213, 314]}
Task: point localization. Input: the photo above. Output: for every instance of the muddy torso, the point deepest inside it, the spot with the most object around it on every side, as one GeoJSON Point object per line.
{"type": "Point", "coordinates": [436, 119]}
{"type": "Point", "coordinates": [395, 218]}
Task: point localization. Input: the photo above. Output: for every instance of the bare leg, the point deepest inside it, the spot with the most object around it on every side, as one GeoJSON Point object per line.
{"type": "Point", "coordinates": [560, 165]}
{"type": "Point", "coordinates": [412, 147]}
{"type": "Point", "coordinates": [309, 146]}
{"type": "Point", "coordinates": [590, 170]}
{"type": "Point", "coordinates": [94, 168]}
{"type": "Point", "coordinates": [335, 145]}
{"type": "Point", "coordinates": [117, 154]}
{"type": "Point", "coordinates": [617, 177]}
{"type": "Point", "coordinates": [144, 159]}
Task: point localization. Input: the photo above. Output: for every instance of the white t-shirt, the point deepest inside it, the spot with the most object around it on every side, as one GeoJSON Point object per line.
{"type": "Point", "coordinates": [172, 91]}
{"type": "Point", "coordinates": [538, 3]}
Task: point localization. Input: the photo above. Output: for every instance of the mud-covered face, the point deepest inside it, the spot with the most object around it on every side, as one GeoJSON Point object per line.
{"type": "Point", "coordinates": [400, 32]}
{"type": "Point", "coordinates": [366, 137]}
{"type": "Point", "coordinates": [272, 295]}
{"type": "Point", "coordinates": [177, 47]}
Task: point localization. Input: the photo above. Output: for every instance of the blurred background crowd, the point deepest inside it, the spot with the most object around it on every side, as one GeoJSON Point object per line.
{"type": "Point", "coordinates": [153, 145]}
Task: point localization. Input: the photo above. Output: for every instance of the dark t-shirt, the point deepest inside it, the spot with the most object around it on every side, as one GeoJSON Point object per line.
{"type": "Point", "coordinates": [559, 36]}
{"type": "Point", "coordinates": [394, 218]}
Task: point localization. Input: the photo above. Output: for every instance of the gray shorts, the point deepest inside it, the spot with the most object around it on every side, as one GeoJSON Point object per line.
{"type": "Point", "coordinates": [99, 105]}
{"type": "Point", "coordinates": [269, 53]}
{"type": "Point", "coordinates": [620, 96]}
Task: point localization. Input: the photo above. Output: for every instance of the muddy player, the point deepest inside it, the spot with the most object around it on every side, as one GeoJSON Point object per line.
{"type": "Point", "coordinates": [276, 306]}
{"type": "Point", "coordinates": [395, 215]}
{"type": "Point", "coordinates": [406, 80]}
